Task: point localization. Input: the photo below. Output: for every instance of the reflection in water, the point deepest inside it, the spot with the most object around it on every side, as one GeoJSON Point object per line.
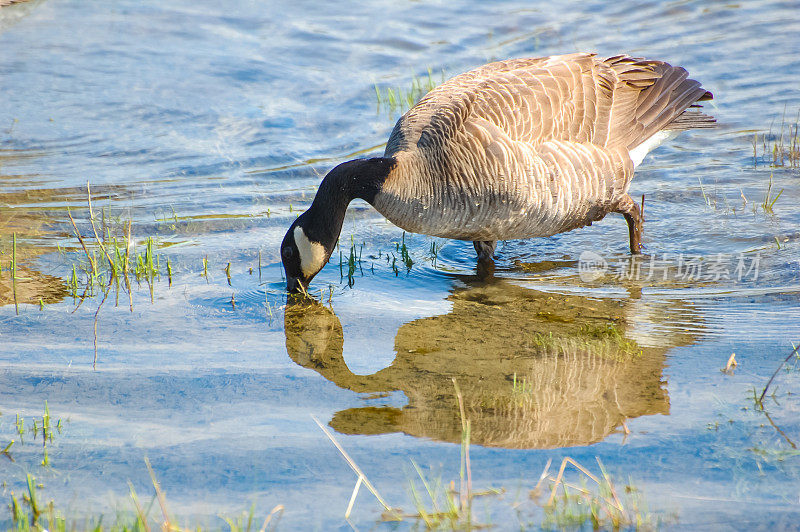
{"type": "Point", "coordinates": [12, 11]}
{"type": "Point", "coordinates": [536, 370]}
{"type": "Point", "coordinates": [21, 214]}
{"type": "Point", "coordinates": [31, 287]}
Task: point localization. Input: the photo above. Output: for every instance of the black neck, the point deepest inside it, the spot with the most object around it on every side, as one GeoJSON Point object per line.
{"type": "Point", "coordinates": [360, 178]}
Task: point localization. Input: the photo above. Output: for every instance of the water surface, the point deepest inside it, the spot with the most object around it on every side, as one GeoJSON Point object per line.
{"type": "Point", "coordinates": [209, 126]}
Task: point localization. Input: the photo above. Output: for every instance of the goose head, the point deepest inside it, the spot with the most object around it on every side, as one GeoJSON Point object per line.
{"type": "Point", "coordinates": [304, 252]}
{"type": "Point", "coordinates": [311, 239]}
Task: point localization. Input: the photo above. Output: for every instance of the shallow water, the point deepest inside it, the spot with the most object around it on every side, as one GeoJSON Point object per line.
{"type": "Point", "coordinates": [210, 127]}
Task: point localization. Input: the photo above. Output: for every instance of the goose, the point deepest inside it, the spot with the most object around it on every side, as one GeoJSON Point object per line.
{"type": "Point", "coordinates": [514, 149]}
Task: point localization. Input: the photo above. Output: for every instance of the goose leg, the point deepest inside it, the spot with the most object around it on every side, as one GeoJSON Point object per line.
{"type": "Point", "coordinates": [485, 249]}
{"type": "Point", "coordinates": [633, 215]}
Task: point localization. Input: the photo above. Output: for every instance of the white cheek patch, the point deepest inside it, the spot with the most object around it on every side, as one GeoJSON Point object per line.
{"type": "Point", "coordinates": [312, 254]}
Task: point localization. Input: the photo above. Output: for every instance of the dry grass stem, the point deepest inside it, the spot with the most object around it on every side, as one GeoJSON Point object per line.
{"type": "Point", "coordinates": [83, 244]}
{"type": "Point", "coordinates": [278, 510]}
{"type": "Point", "coordinates": [162, 499]}
{"type": "Point", "coordinates": [794, 351]}
{"type": "Point", "coordinates": [139, 511]}
{"type": "Point", "coordinates": [94, 229]}
{"type": "Point", "coordinates": [362, 477]}
{"type": "Point", "coordinates": [466, 466]}
{"type": "Point", "coordinates": [731, 363]}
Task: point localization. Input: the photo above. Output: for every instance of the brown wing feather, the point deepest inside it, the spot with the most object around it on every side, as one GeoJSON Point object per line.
{"type": "Point", "coordinates": [530, 147]}
{"type": "Point", "coordinates": [619, 101]}
{"type": "Point", "coordinates": [662, 105]}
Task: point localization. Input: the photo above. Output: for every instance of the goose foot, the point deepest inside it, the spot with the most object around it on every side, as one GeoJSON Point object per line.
{"type": "Point", "coordinates": [485, 250]}
{"type": "Point", "coordinates": [635, 218]}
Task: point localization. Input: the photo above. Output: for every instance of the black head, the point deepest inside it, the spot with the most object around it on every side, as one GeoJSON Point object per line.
{"type": "Point", "coordinates": [290, 256]}
{"type": "Point", "coordinates": [302, 253]}
{"type": "Point", "coordinates": [310, 240]}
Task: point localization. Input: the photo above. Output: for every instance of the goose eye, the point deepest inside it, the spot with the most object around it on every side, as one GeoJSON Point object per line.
{"type": "Point", "coordinates": [287, 252]}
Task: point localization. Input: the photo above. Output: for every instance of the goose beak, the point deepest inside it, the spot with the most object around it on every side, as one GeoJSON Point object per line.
{"type": "Point", "coordinates": [294, 285]}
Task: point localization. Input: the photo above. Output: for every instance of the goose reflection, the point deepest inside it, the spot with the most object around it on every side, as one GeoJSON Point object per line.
{"type": "Point", "coordinates": [536, 370]}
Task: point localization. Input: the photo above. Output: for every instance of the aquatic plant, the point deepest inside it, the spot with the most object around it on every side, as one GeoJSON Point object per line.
{"type": "Point", "coordinates": [29, 513]}
{"type": "Point", "coordinates": [353, 263]}
{"type": "Point", "coordinates": [405, 257]}
{"type": "Point", "coordinates": [521, 386]}
{"type": "Point", "coordinates": [780, 149]}
{"type": "Point", "coordinates": [611, 333]}
{"type": "Point", "coordinates": [769, 199]}
{"type": "Point", "coordinates": [172, 220]}
{"type": "Point", "coordinates": [111, 260]}
{"type": "Point", "coordinates": [401, 99]}
{"type": "Point", "coordinates": [433, 252]}
{"type": "Point", "coordinates": [602, 506]}
{"type": "Point", "coordinates": [594, 501]}
{"type": "Point", "coordinates": [122, 260]}
{"type": "Point", "coordinates": [268, 307]}
{"type": "Point", "coordinates": [450, 509]}
{"type": "Point", "coordinates": [43, 427]}
{"type": "Point", "coordinates": [605, 340]}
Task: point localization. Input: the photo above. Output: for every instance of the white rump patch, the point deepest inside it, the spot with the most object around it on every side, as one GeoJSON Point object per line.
{"type": "Point", "coordinates": [638, 153]}
{"type": "Point", "coordinates": [312, 254]}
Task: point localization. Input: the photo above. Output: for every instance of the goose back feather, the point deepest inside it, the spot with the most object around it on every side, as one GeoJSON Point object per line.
{"type": "Point", "coordinates": [531, 147]}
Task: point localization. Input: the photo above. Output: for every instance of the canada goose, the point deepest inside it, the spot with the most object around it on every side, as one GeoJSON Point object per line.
{"type": "Point", "coordinates": [514, 149]}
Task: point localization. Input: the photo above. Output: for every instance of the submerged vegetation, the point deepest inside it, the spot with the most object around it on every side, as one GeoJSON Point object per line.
{"type": "Point", "coordinates": [605, 339]}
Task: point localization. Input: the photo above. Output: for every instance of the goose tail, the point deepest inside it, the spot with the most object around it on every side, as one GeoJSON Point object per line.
{"type": "Point", "coordinates": [666, 102]}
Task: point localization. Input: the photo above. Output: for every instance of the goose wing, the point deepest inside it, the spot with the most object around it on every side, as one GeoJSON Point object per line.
{"type": "Point", "coordinates": [620, 101]}
{"type": "Point", "coordinates": [531, 147]}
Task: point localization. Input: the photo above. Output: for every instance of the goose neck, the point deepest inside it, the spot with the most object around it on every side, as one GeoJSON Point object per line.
{"type": "Point", "coordinates": [359, 178]}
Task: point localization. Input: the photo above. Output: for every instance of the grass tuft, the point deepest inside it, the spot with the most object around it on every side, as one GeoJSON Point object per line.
{"type": "Point", "coordinates": [39, 427]}
{"type": "Point", "coordinates": [122, 261]}
{"type": "Point", "coordinates": [769, 199]}
{"type": "Point", "coordinates": [780, 149]}
{"type": "Point", "coordinates": [596, 503]}
{"type": "Point", "coordinates": [400, 99]}
{"type": "Point", "coordinates": [30, 514]}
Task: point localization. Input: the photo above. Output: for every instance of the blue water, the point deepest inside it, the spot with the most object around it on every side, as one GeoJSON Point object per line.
{"type": "Point", "coordinates": [210, 125]}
